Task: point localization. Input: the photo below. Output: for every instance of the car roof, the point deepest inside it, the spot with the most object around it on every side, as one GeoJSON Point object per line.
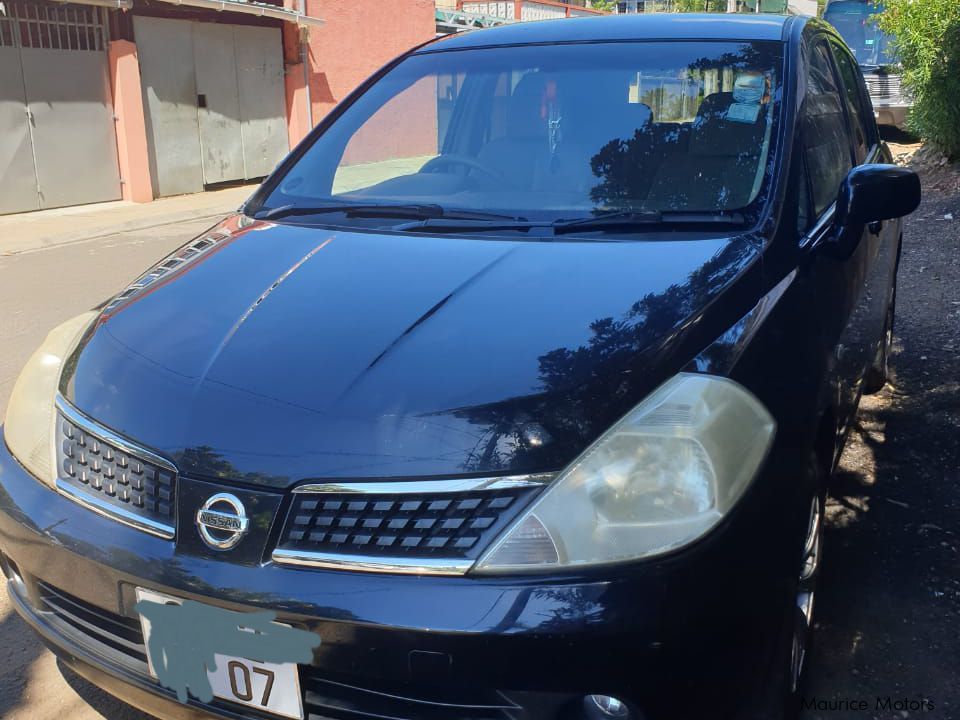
{"type": "Point", "coordinates": [606, 28]}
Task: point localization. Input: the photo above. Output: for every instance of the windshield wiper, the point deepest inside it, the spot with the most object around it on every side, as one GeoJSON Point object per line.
{"type": "Point", "coordinates": [632, 218]}
{"type": "Point", "coordinates": [415, 211]}
{"type": "Point", "coordinates": [353, 210]}
{"type": "Point", "coordinates": [627, 219]}
{"type": "Point", "coordinates": [614, 220]}
{"type": "Point", "coordinates": [466, 222]}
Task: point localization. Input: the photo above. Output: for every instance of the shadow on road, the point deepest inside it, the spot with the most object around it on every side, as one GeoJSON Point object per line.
{"type": "Point", "coordinates": [889, 133]}
{"type": "Point", "coordinates": [888, 608]}
{"type": "Point", "coordinates": [21, 649]}
{"type": "Point", "coordinates": [98, 699]}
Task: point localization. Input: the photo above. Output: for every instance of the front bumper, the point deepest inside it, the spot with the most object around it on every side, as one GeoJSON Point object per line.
{"type": "Point", "coordinates": [891, 114]}
{"type": "Point", "coordinates": [687, 636]}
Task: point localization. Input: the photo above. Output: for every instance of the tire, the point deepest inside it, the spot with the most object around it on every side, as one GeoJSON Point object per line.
{"type": "Point", "coordinates": [779, 698]}
{"type": "Point", "coordinates": [878, 373]}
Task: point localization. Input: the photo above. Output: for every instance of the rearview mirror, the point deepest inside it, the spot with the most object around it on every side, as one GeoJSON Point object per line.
{"type": "Point", "coordinates": [868, 194]}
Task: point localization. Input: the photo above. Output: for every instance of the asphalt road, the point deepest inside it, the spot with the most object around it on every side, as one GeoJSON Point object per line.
{"type": "Point", "coordinates": [888, 611]}
{"type": "Point", "coordinates": [38, 290]}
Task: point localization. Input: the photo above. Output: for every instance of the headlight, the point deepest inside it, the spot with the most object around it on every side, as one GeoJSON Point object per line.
{"type": "Point", "coordinates": [29, 424]}
{"type": "Point", "coordinates": [657, 480]}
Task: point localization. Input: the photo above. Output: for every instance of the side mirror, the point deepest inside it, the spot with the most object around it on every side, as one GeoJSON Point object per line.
{"type": "Point", "coordinates": [869, 194]}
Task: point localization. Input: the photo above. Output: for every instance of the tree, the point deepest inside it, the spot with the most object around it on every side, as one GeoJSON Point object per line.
{"type": "Point", "coordinates": [700, 5]}
{"type": "Point", "coordinates": [926, 36]}
{"type": "Point", "coordinates": [604, 5]}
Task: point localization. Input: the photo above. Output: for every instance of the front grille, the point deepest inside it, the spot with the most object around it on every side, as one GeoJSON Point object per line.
{"type": "Point", "coordinates": [119, 638]}
{"type": "Point", "coordinates": [327, 696]}
{"type": "Point", "coordinates": [112, 475]}
{"type": "Point", "coordinates": [883, 86]}
{"type": "Point", "coordinates": [427, 525]}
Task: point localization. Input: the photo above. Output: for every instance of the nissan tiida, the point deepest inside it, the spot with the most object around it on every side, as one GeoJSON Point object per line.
{"type": "Point", "coordinates": [516, 387]}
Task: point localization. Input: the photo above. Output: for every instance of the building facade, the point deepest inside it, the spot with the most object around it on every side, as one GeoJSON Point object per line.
{"type": "Point", "coordinates": [138, 99]}
{"type": "Point", "coordinates": [795, 7]}
{"type": "Point", "coordinates": [527, 10]}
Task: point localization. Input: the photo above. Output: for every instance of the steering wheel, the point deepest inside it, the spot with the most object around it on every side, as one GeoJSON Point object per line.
{"type": "Point", "coordinates": [453, 159]}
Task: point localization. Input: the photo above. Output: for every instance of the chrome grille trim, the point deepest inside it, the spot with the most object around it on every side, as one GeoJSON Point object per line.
{"type": "Point", "coordinates": [365, 563]}
{"type": "Point", "coordinates": [323, 529]}
{"type": "Point", "coordinates": [125, 517]}
{"type": "Point", "coordinates": [175, 261]}
{"type": "Point", "coordinates": [101, 505]}
{"type": "Point", "coordinates": [429, 486]}
{"type": "Point", "coordinates": [105, 433]}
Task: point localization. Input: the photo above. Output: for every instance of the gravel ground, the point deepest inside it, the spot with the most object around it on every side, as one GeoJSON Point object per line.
{"type": "Point", "coordinates": [888, 609]}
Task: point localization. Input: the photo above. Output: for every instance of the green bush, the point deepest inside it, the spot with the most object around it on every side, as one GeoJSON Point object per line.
{"type": "Point", "coordinates": [927, 37]}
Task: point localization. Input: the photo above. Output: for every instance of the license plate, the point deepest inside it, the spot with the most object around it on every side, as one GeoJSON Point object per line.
{"type": "Point", "coordinates": [269, 687]}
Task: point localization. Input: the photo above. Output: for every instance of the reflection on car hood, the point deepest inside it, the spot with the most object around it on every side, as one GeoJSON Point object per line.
{"type": "Point", "coordinates": [279, 353]}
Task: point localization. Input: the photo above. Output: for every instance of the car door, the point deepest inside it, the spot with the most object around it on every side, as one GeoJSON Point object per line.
{"type": "Point", "coordinates": [829, 154]}
{"type": "Point", "coordinates": [882, 240]}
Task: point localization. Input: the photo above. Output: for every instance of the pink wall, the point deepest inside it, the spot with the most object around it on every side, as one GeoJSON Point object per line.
{"type": "Point", "coordinates": [298, 124]}
{"type": "Point", "coordinates": [358, 38]}
{"type": "Point", "coordinates": [405, 127]}
{"type": "Point", "coordinates": [132, 152]}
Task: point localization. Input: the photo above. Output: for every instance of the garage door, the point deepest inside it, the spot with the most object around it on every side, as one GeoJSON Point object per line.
{"type": "Point", "coordinates": [57, 139]}
{"type": "Point", "coordinates": [214, 100]}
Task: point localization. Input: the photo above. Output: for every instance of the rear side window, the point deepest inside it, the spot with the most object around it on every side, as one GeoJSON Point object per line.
{"type": "Point", "coordinates": [861, 113]}
{"type": "Point", "coordinates": [826, 139]}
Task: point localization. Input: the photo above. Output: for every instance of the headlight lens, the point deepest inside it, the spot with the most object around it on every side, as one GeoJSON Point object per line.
{"type": "Point", "coordinates": [29, 425]}
{"type": "Point", "coordinates": [657, 480]}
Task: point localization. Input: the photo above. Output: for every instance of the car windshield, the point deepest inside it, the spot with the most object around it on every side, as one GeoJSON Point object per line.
{"type": "Point", "coordinates": [555, 132]}
{"type": "Point", "coordinates": [856, 21]}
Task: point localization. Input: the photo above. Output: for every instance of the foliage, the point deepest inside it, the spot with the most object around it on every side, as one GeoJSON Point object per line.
{"type": "Point", "coordinates": [604, 5]}
{"type": "Point", "coordinates": [927, 38]}
{"type": "Point", "coordinates": [700, 5]}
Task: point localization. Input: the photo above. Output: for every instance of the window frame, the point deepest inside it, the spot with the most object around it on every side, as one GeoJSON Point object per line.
{"type": "Point", "coordinates": [816, 219]}
{"type": "Point", "coordinates": [865, 109]}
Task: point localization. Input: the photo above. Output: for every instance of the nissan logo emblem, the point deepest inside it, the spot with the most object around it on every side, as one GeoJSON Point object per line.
{"type": "Point", "coordinates": [222, 521]}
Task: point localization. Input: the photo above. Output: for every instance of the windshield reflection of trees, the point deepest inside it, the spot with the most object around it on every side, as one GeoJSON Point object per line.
{"type": "Point", "coordinates": [204, 461]}
{"type": "Point", "coordinates": [625, 166]}
{"type": "Point", "coordinates": [585, 389]}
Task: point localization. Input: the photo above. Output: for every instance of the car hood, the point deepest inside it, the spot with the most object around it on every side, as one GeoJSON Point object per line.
{"type": "Point", "coordinates": [270, 354]}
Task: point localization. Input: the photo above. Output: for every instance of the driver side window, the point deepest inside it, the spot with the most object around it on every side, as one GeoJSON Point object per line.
{"type": "Point", "coordinates": [827, 144]}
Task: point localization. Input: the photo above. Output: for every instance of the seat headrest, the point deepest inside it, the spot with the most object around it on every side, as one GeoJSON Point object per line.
{"type": "Point", "coordinates": [714, 107]}
{"type": "Point", "coordinates": [526, 113]}
{"type": "Point", "coordinates": [714, 133]}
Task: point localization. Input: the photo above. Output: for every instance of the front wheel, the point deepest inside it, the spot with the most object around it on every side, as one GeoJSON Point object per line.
{"type": "Point", "coordinates": [780, 697]}
{"type": "Point", "coordinates": [878, 373]}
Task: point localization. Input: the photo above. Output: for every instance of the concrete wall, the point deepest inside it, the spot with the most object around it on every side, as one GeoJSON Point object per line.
{"type": "Point", "coordinates": [358, 38]}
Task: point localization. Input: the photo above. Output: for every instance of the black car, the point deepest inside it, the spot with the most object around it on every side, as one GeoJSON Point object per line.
{"type": "Point", "coordinates": [518, 385]}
